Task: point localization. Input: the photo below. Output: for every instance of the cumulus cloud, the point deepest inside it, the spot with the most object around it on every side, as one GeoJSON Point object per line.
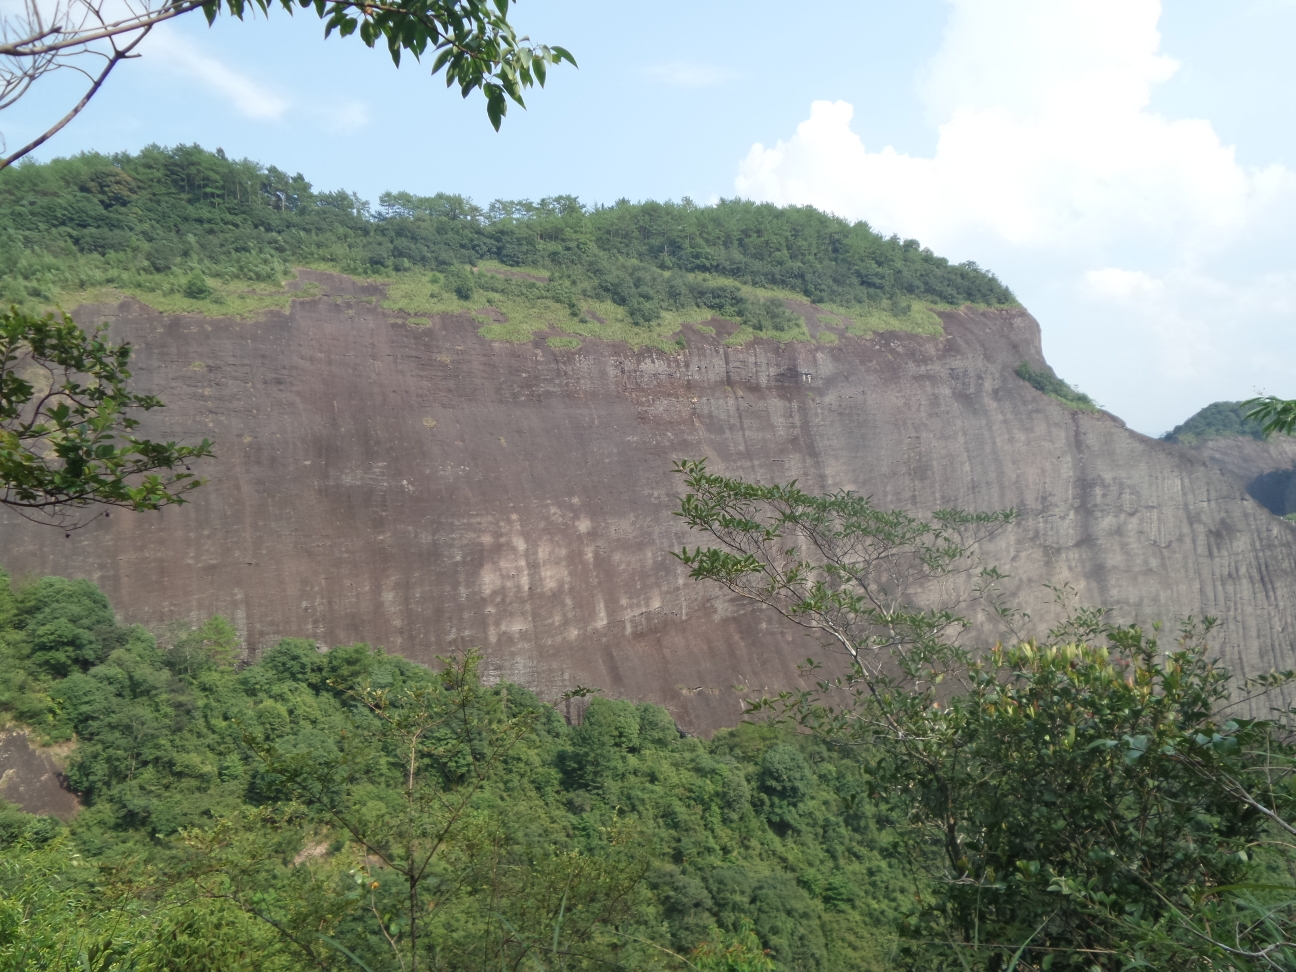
{"type": "Point", "coordinates": [1156, 263]}
{"type": "Point", "coordinates": [251, 99]}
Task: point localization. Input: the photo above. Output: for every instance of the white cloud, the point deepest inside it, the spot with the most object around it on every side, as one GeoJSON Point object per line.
{"type": "Point", "coordinates": [1158, 266]}
{"type": "Point", "coordinates": [687, 75]}
{"type": "Point", "coordinates": [345, 116]}
{"type": "Point", "coordinates": [250, 98]}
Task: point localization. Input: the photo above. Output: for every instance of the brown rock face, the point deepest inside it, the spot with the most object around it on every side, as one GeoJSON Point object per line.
{"type": "Point", "coordinates": [424, 489]}
{"type": "Point", "coordinates": [31, 778]}
{"type": "Point", "coordinates": [1266, 470]}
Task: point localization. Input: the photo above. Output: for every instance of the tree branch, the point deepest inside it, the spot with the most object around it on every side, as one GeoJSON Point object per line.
{"type": "Point", "coordinates": [118, 55]}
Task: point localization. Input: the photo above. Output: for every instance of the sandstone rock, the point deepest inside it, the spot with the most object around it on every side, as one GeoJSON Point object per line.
{"type": "Point", "coordinates": [32, 779]}
{"type": "Point", "coordinates": [424, 489]}
{"type": "Point", "coordinates": [1266, 469]}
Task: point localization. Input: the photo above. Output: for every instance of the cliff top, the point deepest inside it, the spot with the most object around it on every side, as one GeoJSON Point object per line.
{"type": "Point", "coordinates": [188, 230]}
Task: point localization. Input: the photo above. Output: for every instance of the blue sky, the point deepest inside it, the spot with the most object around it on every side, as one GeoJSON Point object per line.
{"type": "Point", "coordinates": [1127, 167]}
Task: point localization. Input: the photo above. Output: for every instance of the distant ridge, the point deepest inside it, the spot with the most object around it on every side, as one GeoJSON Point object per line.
{"type": "Point", "coordinates": [1215, 421]}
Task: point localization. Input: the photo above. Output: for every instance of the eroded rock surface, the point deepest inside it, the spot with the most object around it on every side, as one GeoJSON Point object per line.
{"type": "Point", "coordinates": [425, 489]}
{"type": "Point", "coordinates": [1266, 469]}
{"type": "Point", "coordinates": [31, 778]}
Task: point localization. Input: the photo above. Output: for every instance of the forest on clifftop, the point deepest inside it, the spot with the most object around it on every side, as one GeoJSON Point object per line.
{"type": "Point", "coordinates": [188, 229]}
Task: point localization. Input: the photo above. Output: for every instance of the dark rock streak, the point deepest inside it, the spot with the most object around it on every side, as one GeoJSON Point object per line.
{"type": "Point", "coordinates": [424, 489]}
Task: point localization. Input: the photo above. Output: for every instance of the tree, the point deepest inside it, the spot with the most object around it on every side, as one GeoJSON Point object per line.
{"type": "Point", "coordinates": [1082, 803]}
{"type": "Point", "coordinates": [839, 566]}
{"type": "Point", "coordinates": [66, 426]}
{"type": "Point", "coordinates": [442, 876]}
{"type": "Point", "coordinates": [472, 40]}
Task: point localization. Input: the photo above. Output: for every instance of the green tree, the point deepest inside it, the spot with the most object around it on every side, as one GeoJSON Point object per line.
{"type": "Point", "coordinates": [430, 847]}
{"type": "Point", "coordinates": [67, 421]}
{"type": "Point", "coordinates": [741, 953]}
{"type": "Point", "coordinates": [1085, 803]}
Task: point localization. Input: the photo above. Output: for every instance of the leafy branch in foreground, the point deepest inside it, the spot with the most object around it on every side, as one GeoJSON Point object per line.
{"type": "Point", "coordinates": [473, 40]}
{"type": "Point", "coordinates": [1275, 414]}
{"type": "Point", "coordinates": [1082, 804]}
{"type": "Point", "coordinates": [66, 424]}
{"type": "Point", "coordinates": [839, 566]}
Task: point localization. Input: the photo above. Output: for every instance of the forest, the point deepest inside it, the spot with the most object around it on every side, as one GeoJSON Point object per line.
{"type": "Point", "coordinates": [173, 220]}
{"type": "Point", "coordinates": [616, 841]}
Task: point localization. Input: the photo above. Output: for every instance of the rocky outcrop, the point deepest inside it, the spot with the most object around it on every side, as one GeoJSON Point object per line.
{"type": "Point", "coordinates": [1265, 468]}
{"type": "Point", "coordinates": [424, 489]}
{"type": "Point", "coordinates": [31, 777]}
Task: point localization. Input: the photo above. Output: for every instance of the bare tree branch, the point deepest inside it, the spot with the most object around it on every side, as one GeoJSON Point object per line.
{"type": "Point", "coordinates": [118, 55]}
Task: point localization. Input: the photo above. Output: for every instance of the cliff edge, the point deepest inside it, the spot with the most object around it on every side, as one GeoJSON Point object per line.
{"type": "Point", "coordinates": [423, 488]}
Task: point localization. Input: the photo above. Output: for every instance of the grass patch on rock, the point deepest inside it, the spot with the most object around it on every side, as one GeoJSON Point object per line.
{"type": "Point", "coordinates": [865, 320]}
{"type": "Point", "coordinates": [178, 293]}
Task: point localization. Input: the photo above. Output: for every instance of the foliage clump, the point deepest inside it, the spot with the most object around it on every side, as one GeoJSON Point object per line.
{"type": "Point", "coordinates": [1216, 421]}
{"type": "Point", "coordinates": [1046, 381]}
{"type": "Point", "coordinates": [67, 421]}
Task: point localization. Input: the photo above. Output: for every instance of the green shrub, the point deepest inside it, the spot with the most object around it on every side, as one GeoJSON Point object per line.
{"type": "Point", "coordinates": [197, 287]}
{"type": "Point", "coordinates": [1054, 387]}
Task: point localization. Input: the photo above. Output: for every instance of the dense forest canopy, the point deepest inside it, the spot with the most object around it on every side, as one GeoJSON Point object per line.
{"type": "Point", "coordinates": [753, 829]}
{"type": "Point", "coordinates": [79, 221]}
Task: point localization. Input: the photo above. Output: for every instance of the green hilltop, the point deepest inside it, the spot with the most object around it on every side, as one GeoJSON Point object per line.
{"type": "Point", "coordinates": [1216, 421]}
{"type": "Point", "coordinates": [184, 229]}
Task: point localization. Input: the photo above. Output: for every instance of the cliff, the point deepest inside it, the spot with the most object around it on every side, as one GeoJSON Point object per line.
{"type": "Point", "coordinates": [425, 489]}
{"type": "Point", "coordinates": [1266, 469]}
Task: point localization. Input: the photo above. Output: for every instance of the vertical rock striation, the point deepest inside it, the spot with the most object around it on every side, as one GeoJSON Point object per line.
{"type": "Point", "coordinates": [425, 489]}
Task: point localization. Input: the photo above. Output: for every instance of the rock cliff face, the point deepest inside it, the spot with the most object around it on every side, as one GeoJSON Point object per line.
{"type": "Point", "coordinates": [424, 489]}
{"type": "Point", "coordinates": [1266, 470]}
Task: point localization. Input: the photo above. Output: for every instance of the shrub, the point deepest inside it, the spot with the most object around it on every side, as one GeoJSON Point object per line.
{"type": "Point", "coordinates": [1054, 387]}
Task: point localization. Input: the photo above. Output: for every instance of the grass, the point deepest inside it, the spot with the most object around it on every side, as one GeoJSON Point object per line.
{"type": "Point", "coordinates": [240, 299]}
{"type": "Point", "coordinates": [422, 295]}
{"type": "Point", "coordinates": [1055, 388]}
{"type": "Point", "coordinates": [865, 320]}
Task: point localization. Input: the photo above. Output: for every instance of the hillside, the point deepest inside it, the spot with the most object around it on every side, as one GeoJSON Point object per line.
{"type": "Point", "coordinates": [754, 825]}
{"type": "Point", "coordinates": [1219, 420]}
{"type": "Point", "coordinates": [480, 455]}
{"type": "Point", "coordinates": [189, 230]}
{"type": "Point", "coordinates": [416, 677]}
{"type": "Point", "coordinates": [1266, 468]}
